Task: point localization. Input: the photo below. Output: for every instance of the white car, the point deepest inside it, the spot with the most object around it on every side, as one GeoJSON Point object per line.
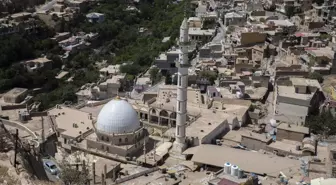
{"type": "Point", "coordinates": [51, 167]}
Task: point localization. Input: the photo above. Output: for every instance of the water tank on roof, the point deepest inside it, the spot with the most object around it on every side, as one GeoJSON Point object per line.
{"type": "Point", "coordinates": [239, 95]}
{"type": "Point", "coordinates": [227, 168]}
{"type": "Point", "coordinates": [240, 174]}
{"type": "Point", "coordinates": [234, 170]}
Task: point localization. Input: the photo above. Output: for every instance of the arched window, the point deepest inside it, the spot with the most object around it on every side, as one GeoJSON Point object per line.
{"type": "Point", "coordinates": [126, 140]}
{"type": "Point", "coordinates": [102, 138]}
{"type": "Point", "coordinates": [119, 140]}
{"type": "Point", "coordinates": [107, 139]}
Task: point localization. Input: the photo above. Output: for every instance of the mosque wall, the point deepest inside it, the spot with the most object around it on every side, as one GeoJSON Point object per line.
{"type": "Point", "coordinates": [121, 139]}
{"type": "Point", "coordinates": [114, 149]}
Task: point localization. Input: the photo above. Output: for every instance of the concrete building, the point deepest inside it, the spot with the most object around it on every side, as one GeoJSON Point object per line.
{"type": "Point", "coordinates": [22, 22]}
{"type": "Point", "coordinates": [37, 64]}
{"type": "Point", "coordinates": [255, 141]}
{"type": "Point", "coordinates": [78, 42]}
{"type": "Point", "coordinates": [296, 99]}
{"type": "Point", "coordinates": [110, 70]}
{"type": "Point", "coordinates": [211, 50]}
{"type": "Point", "coordinates": [212, 156]}
{"type": "Point", "coordinates": [16, 95]}
{"type": "Point", "coordinates": [200, 35]}
{"type": "Point", "coordinates": [195, 22]}
{"type": "Point", "coordinates": [321, 59]}
{"type": "Point", "coordinates": [117, 130]}
{"type": "Point", "coordinates": [104, 90]}
{"type": "Point", "coordinates": [95, 17]}
{"type": "Point", "coordinates": [248, 38]}
{"type": "Point", "coordinates": [234, 19]}
{"type": "Point", "coordinates": [291, 132]}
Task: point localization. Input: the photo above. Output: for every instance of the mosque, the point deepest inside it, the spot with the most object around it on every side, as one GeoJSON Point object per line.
{"type": "Point", "coordinates": [116, 131]}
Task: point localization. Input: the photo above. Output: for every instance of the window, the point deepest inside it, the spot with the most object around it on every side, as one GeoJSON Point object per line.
{"type": "Point", "coordinates": [107, 149]}
{"type": "Point", "coordinates": [102, 147]}
{"type": "Point", "coordinates": [178, 130]}
{"type": "Point", "coordinates": [65, 141]}
{"type": "Point", "coordinates": [179, 81]}
{"type": "Point", "coordinates": [119, 140]}
{"type": "Point", "coordinates": [102, 138]}
{"type": "Point", "coordinates": [107, 139]}
{"type": "Point", "coordinates": [179, 106]}
{"type": "Point", "coordinates": [126, 140]}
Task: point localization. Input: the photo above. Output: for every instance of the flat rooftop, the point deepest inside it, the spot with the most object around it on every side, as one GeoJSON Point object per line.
{"type": "Point", "coordinates": [293, 128]}
{"type": "Point", "coordinates": [286, 145]}
{"type": "Point", "coordinates": [39, 60]}
{"type": "Point", "coordinates": [248, 161]}
{"type": "Point", "coordinates": [15, 91]}
{"type": "Point", "coordinates": [319, 52]}
{"type": "Point", "coordinates": [305, 82]}
{"type": "Point", "coordinates": [199, 31]}
{"type": "Point", "coordinates": [289, 91]}
{"type": "Point", "coordinates": [66, 118]}
{"type": "Point", "coordinates": [111, 69]}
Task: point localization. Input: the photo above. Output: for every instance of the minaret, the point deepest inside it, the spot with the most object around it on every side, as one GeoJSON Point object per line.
{"type": "Point", "coordinates": [182, 85]}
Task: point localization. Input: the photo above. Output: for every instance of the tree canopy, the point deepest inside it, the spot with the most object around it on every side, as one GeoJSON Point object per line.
{"type": "Point", "coordinates": [323, 124]}
{"type": "Point", "coordinates": [119, 41]}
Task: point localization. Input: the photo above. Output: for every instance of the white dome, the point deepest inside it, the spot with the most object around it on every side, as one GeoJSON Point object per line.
{"type": "Point", "coordinates": [117, 116]}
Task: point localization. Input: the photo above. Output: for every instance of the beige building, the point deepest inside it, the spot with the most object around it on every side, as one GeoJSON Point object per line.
{"type": "Point", "coordinates": [296, 99]}
{"type": "Point", "coordinates": [199, 35]}
{"type": "Point", "coordinates": [291, 132]}
{"type": "Point", "coordinates": [16, 95]}
{"type": "Point", "coordinates": [252, 38]}
{"type": "Point", "coordinates": [117, 130]}
{"type": "Point", "coordinates": [39, 63]}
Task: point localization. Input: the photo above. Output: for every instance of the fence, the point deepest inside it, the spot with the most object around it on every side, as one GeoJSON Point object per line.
{"type": "Point", "coordinates": [136, 175]}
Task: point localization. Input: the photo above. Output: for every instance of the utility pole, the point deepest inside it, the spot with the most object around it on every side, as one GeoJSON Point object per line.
{"type": "Point", "coordinates": [16, 146]}
{"type": "Point", "coordinates": [154, 152]}
{"type": "Point", "coordinates": [42, 135]}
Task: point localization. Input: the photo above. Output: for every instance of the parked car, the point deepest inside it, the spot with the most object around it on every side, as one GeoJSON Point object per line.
{"type": "Point", "coordinates": [51, 167]}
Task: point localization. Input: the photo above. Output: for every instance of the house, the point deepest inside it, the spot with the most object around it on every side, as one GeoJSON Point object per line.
{"type": "Point", "coordinates": [235, 19]}
{"type": "Point", "coordinates": [15, 95]}
{"type": "Point", "coordinates": [291, 132]}
{"type": "Point", "coordinates": [95, 17]}
{"type": "Point", "coordinates": [199, 35]}
{"type": "Point", "coordinates": [296, 98]}
{"type": "Point", "coordinates": [38, 63]}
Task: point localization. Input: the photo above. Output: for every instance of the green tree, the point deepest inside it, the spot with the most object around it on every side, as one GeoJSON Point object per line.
{"type": "Point", "coordinates": [290, 11]}
{"type": "Point", "coordinates": [267, 52]}
{"type": "Point", "coordinates": [155, 74]}
{"type": "Point", "coordinates": [168, 79]}
{"type": "Point", "coordinates": [317, 76]}
{"type": "Point", "coordinates": [209, 75]}
{"type": "Point", "coordinates": [322, 124]}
